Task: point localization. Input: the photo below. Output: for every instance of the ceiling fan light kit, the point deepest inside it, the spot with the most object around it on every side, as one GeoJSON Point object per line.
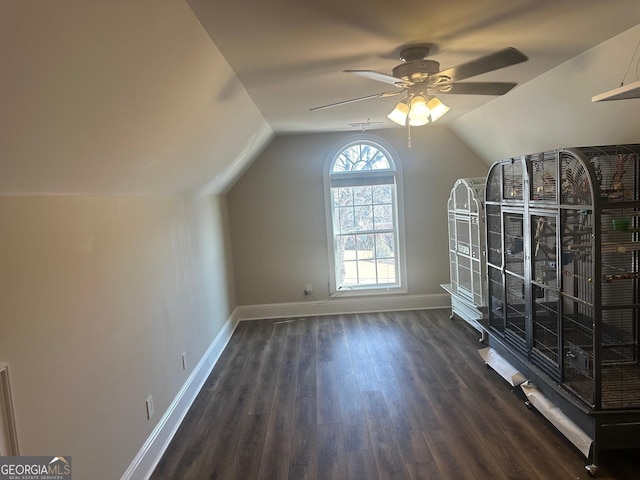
{"type": "Point", "coordinates": [420, 112]}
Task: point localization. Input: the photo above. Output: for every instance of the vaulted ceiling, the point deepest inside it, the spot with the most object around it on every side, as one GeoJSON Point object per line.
{"type": "Point", "coordinates": [180, 96]}
{"type": "Point", "coordinates": [290, 54]}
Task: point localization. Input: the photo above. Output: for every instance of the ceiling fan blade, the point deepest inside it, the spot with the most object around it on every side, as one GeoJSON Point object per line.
{"type": "Point", "coordinates": [494, 61]}
{"type": "Point", "coordinates": [379, 76]}
{"type": "Point", "coordinates": [368, 97]}
{"type": "Point", "coordinates": [477, 88]}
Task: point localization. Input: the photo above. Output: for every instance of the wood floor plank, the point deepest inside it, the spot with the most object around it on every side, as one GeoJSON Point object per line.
{"type": "Point", "coordinates": [355, 431]}
{"type": "Point", "coordinates": [306, 376]}
{"type": "Point", "coordinates": [332, 460]}
{"type": "Point", "coordinates": [327, 393]}
{"type": "Point", "coordinates": [489, 434]}
{"type": "Point", "coordinates": [290, 357]}
{"type": "Point", "coordinates": [452, 461]}
{"type": "Point", "coordinates": [280, 425]}
{"type": "Point", "coordinates": [365, 374]}
{"type": "Point", "coordinates": [368, 396]}
{"type": "Point", "coordinates": [324, 346]}
{"type": "Point", "coordinates": [425, 471]}
{"type": "Point", "coordinates": [250, 446]}
{"type": "Point", "coordinates": [386, 450]}
{"type": "Point", "coordinates": [341, 352]}
{"type": "Point", "coordinates": [332, 467]}
{"type": "Point", "coordinates": [225, 443]}
{"type": "Point", "coordinates": [355, 337]}
{"type": "Point", "coordinates": [413, 446]}
{"type": "Point", "coordinates": [400, 411]}
{"type": "Point", "coordinates": [274, 464]}
{"type": "Point", "coordinates": [304, 443]}
{"type": "Point", "coordinates": [349, 395]}
{"type": "Point", "coordinates": [478, 455]}
{"type": "Point", "coordinates": [267, 377]}
{"type": "Point", "coordinates": [361, 465]}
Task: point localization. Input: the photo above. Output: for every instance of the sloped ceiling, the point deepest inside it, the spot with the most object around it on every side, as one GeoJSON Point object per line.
{"type": "Point", "coordinates": [290, 54]}
{"type": "Point", "coordinates": [122, 97]}
{"type": "Point", "coordinates": [555, 110]}
{"type": "Point", "coordinates": [180, 96]}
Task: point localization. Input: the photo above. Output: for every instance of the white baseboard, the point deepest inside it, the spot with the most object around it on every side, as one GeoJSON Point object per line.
{"type": "Point", "coordinates": [337, 305]}
{"type": "Point", "coordinates": [151, 452]}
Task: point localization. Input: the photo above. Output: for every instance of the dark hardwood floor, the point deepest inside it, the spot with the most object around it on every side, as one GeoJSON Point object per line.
{"type": "Point", "coordinates": [363, 397]}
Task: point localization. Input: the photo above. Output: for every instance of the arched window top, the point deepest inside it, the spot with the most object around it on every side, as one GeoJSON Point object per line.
{"type": "Point", "coordinates": [362, 156]}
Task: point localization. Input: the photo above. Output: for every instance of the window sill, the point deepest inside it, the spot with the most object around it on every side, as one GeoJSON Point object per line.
{"type": "Point", "coordinates": [367, 291]}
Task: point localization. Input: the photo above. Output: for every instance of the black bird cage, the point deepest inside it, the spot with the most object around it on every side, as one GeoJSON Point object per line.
{"type": "Point", "coordinates": [563, 261]}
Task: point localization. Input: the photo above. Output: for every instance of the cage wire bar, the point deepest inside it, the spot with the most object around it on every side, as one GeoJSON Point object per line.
{"type": "Point", "coordinates": [563, 269]}
{"type": "Point", "coordinates": [467, 250]}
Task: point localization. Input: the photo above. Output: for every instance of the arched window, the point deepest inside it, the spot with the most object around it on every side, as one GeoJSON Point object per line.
{"type": "Point", "coordinates": [363, 188]}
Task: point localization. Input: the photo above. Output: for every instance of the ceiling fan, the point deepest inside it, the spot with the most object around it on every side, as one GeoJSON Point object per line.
{"type": "Point", "coordinates": [418, 79]}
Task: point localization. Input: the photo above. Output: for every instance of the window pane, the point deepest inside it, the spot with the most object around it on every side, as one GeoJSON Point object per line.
{"type": "Point", "coordinates": [385, 245]}
{"type": "Point", "coordinates": [367, 272]}
{"type": "Point", "coordinates": [344, 161]}
{"type": "Point", "coordinates": [366, 246]}
{"type": "Point", "coordinates": [346, 221]}
{"type": "Point", "coordinates": [348, 273]}
{"type": "Point", "coordinates": [342, 197]}
{"type": "Point", "coordinates": [382, 217]}
{"type": "Point", "coordinates": [346, 247]}
{"type": "Point", "coordinates": [382, 194]}
{"type": "Point", "coordinates": [361, 157]}
{"type": "Point", "coordinates": [362, 195]}
{"type": "Point", "coordinates": [386, 270]}
{"type": "Point", "coordinates": [373, 158]}
{"type": "Point", "coordinates": [364, 218]}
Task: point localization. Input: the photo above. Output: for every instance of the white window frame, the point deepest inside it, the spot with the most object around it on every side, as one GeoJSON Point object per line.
{"type": "Point", "coordinates": [401, 278]}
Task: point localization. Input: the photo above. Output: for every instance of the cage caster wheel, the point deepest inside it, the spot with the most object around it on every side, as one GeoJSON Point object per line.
{"type": "Point", "coordinates": [528, 404]}
{"type": "Point", "coordinates": [452, 316]}
{"type": "Point", "coordinates": [592, 469]}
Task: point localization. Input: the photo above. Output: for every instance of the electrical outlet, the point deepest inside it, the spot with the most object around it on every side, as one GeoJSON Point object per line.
{"type": "Point", "coordinates": [149, 405]}
{"type": "Point", "coordinates": [184, 361]}
{"type": "Point", "coordinates": [308, 290]}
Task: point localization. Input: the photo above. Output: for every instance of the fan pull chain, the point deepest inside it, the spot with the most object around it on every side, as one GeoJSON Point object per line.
{"type": "Point", "coordinates": [409, 135]}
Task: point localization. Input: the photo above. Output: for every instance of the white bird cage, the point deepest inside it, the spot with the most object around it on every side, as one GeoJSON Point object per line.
{"type": "Point", "coordinates": [467, 250]}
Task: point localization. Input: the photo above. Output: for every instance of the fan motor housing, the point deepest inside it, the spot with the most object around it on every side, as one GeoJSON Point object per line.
{"type": "Point", "coordinates": [416, 71]}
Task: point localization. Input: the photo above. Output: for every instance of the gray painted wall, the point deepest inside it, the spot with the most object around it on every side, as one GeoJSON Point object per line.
{"type": "Point", "coordinates": [100, 296]}
{"type": "Point", "coordinates": [114, 116]}
{"type": "Point", "coordinates": [277, 215]}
